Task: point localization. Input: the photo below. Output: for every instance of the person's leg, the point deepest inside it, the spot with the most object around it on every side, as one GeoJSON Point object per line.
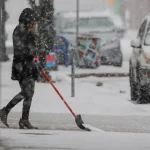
{"type": "Point", "coordinates": [28, 89]}
{"type": "Point", "coordinates": [4, 111]}
{"type": "Point", "coordinates": [28, 86]}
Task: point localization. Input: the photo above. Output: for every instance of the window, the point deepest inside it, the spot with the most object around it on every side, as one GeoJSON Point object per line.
{"type": "Point", "coordinates": [141, 30]}
{"type": "Point", "coordinates": [147, 37]}
{"type": "Point", "coordinates": [94, 22]}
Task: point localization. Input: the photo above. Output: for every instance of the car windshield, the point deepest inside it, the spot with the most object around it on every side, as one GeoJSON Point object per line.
{"type": "Point", "coordinates": [88, 22]}
{"type": "Point", "coordinates": [147, 38]}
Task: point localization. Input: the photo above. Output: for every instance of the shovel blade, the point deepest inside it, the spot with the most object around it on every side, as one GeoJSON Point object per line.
{"type": "Point", "coordinates": [80, 123]}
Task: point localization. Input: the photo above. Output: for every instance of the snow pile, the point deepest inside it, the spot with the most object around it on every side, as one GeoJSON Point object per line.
{"type": "Point", "coordinates": [93, 128]}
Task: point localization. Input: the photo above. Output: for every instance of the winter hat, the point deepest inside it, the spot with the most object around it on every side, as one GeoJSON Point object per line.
{"type": "Point", "coordinates": [27, 16]}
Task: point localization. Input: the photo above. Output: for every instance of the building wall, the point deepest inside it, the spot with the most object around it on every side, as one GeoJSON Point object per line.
{"type": "Point", "coordinates": [14, 7]}
{"type": "Point", "coordinates": [70, 5]}
{"type": "Point", "coordinates": [137, 10]}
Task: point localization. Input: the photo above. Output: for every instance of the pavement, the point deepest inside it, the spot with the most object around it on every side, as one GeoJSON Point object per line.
{"type": "Point", "coordinates": [59, 132]}
{"type": "Point", "coordinates": [66, 122]}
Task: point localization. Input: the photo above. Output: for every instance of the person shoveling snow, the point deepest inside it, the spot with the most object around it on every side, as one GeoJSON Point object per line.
{"type": "Point", "coordinates": [23, 68]}
{"type": "Point", "coordinates": [26, 71]}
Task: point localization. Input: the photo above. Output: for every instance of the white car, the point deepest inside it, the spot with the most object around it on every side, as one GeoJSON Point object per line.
{"type": "Point", "coordinates": [140, 64]}
{"type": "Point", "coordinates": [98, 23]}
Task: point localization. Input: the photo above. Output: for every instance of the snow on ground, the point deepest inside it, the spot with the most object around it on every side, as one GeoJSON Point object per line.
{"type": "Point", "coordinates": [69, 140]}
{"type": "Point", "coordinates": [113, 98]}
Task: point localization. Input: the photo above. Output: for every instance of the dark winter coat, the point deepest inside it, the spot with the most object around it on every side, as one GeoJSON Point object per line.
{"type": "Point", "coordinates": [24, 49]}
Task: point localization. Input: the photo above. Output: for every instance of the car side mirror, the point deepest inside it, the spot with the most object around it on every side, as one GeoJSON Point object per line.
{"type": "Point", "coordinates": [136, 43]}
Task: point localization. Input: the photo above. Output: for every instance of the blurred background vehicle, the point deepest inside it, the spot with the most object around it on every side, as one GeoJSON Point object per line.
{"type": "Point", "coordinates": [98, 23]}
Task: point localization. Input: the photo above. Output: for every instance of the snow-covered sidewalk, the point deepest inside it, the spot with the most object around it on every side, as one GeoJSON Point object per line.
{"type": "Point", "coordinates": [113, 98]}
{"type": "Point", "coordinates": [68, 140]}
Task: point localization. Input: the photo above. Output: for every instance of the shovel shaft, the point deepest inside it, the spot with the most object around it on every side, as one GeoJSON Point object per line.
{"type": "Point", "coordinates": [49, 80]}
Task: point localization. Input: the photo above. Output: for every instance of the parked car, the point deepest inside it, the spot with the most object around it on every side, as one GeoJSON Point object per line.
{"type": "Point", "coordinates": [140, 64]}
{"type": "Point", "coordinates": [97, 23]}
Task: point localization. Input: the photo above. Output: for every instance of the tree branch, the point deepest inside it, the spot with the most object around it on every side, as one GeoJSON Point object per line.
{"type": "Point", "coordinates": [32, 3]}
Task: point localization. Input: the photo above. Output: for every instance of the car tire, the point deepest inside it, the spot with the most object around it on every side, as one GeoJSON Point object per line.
{"type": "Point", "coordinates": [142, 95]}
{"type": "Point", "coordinates": [133, 86]}
{"type": "Point", "coordinates": [95, 65]}
{"type": "Point", "coordinates": [142, 92]}
{"type": "Point", "coordinates": [119, 64]}
{"type": "Point", "coordinates": [133, 92]}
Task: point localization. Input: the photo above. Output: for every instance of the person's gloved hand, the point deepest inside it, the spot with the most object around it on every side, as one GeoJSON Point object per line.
{"type": "Point", "coordinates": [35, 59]}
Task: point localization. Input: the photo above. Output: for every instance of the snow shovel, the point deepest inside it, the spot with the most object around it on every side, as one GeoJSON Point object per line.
{"type": "Point", "coordinates": [78, 118]}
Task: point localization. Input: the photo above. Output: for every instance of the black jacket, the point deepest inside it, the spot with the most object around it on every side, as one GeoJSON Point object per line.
{"type": "Point", "coordinates": [24, 49]}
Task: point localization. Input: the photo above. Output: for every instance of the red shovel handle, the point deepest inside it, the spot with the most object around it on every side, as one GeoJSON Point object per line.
{"type": "Point", "coordinates": [46, 76]}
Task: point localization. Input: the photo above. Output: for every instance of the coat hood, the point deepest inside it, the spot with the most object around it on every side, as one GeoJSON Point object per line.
{"type": "Point", "coordinates": [27, 16]}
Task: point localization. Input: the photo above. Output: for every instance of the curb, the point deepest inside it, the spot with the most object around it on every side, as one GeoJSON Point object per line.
{"type": "Point", "coordinates": [84, 75]}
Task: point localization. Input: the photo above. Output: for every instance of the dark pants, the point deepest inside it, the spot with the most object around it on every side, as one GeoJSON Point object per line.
{"type": "Point", "coordinates": [27, 90]}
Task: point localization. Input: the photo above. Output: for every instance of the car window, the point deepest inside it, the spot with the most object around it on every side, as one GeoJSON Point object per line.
{"type": "Point", "coordinates": [94, 22]}
{"type": "Point", "coordinates": [142, 30]}
{"type": "Point", "coordinates": [147, 37]}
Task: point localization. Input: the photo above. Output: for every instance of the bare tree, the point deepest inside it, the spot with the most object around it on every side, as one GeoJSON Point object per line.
{"type": "Point", "coordinates": [44, 12]}
{"type": "Point", "coordinates": [33, 4]}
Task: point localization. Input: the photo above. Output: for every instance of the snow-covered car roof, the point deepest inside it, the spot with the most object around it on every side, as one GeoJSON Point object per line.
{"type": "Point", "coordinates": [85, 14]}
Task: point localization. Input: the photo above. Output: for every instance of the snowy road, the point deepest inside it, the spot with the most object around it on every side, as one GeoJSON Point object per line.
{"type": "Point", "coordinates": [68, 140]}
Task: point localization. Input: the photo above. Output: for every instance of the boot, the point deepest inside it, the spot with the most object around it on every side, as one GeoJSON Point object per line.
{"type": "Point", "coordinates": [26, 124]}
{"type": "Point", "coordinates": [3, 116]}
